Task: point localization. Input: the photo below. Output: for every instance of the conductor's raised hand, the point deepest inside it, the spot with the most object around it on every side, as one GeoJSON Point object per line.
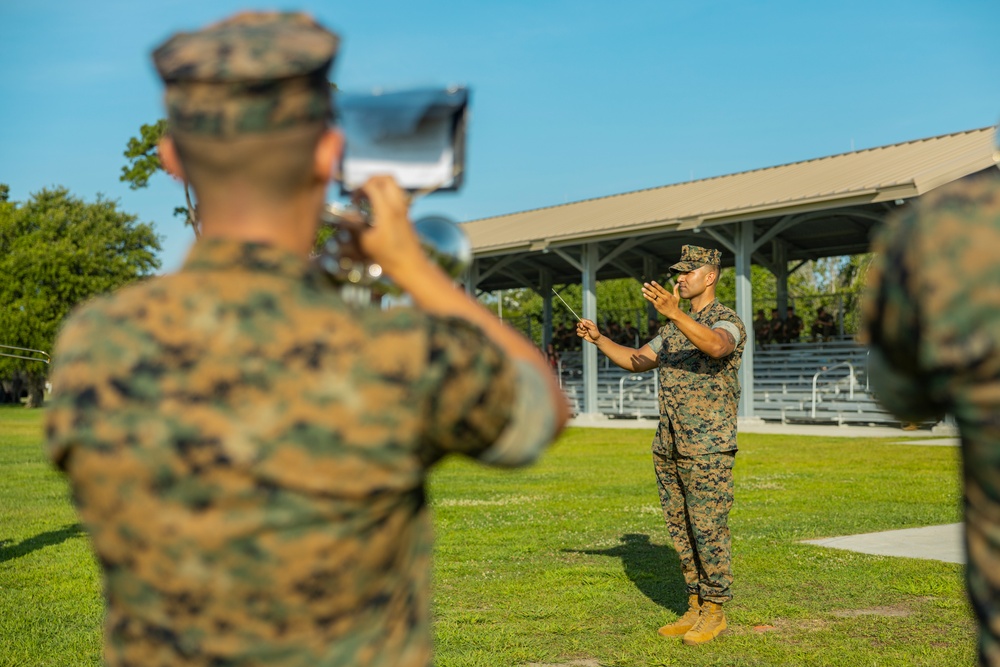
{"type": "Point", "coordinates": [666, 302]}
{"type": "Point", "coordinates": [588, 331]}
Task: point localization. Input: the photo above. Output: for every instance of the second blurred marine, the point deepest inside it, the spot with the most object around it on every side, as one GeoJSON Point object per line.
{"type": "Point", "coordinates": [933, 319]}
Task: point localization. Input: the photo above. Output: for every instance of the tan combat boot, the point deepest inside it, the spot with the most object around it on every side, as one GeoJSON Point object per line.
{"type": "Point", "coordinates": [685, 622]}
{"type": "Point", "coordinates": [711, 622]}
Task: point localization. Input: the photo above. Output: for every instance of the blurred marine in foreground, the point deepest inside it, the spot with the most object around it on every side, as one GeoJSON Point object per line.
{"type": "Point", "coordinates": [933, 321]}
{"type": "Point", "coordinates": [248, 452]}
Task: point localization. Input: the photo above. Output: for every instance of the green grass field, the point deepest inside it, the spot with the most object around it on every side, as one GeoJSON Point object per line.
{"type": "Point", "coordinates": [569, 563]}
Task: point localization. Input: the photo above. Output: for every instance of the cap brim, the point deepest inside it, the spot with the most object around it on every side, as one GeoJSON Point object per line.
{"type": "Point", "coordinates": [684, 267]}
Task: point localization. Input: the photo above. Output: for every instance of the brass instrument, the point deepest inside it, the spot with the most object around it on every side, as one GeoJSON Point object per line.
{"type": "Point", "coordinates": [416, 136]}
{"type": "Point", "coordinates": [442, 240]}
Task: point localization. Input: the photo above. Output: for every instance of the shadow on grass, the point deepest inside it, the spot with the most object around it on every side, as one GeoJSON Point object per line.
{"type": "Point", "coordinates": [9, 551]}
{"type": "Point", "coordinates": [654, 569]}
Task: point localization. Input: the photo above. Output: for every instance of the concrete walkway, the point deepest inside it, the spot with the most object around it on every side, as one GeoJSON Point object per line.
{"type": "Point", "coordinates": [940, 435]}
{"type": "Point", "coordinates": [944, 543]}
{"type": "Point", "coordinates": [932, 543]}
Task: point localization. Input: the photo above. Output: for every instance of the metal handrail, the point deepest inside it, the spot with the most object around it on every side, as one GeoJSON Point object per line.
{"type": "Point", "coordinates": [621, 388]}
{"type": "Point", "coordinates": [827, 370]}
{"type": "Point", "coordinates": [868, 355]}
{"type": "Point", "coordinates": [44, 354]}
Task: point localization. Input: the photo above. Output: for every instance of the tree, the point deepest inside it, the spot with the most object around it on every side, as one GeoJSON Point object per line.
{"type": "Point", "coordinates": [837, 284]}
{"type": "Point", "coordinates": [763, 287]}
{"type": "Point", "coordinates": [618, 300]}
{"type": "Point", "coordinates": [57, 251]}
{"type": "Point", "coordinates": [144, 162]}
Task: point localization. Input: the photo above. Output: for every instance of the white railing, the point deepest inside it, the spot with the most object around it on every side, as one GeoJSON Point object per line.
{"type": "Point", "coordinates": [853, 380]}
{"type": "Point", "coordinates": [634, 377]}
{"type": "Point", "coordinates": [39, 355]}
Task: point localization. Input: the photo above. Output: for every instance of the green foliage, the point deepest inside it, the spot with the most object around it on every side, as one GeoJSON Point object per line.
{"type": "Point", "coordinates": [846, 281]}
{"type": "Point", "coordinates": [144, 162]}
{"type": "Point", "coordinates": [837, 283]}
{"type": "Point", "coordinates": [618, 300]}
{"type": "Point", "coordinates": [55, 252]}
{"type": "Point", "coordinates": [142, 156]}
{"type": "Point", "coordinates": [763, 285]}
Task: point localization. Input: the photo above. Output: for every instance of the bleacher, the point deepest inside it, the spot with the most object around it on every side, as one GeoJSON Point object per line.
{"type": "Point", "coordinates": [619, 394]}
{"type": "Point", "coordinates": [822, 382]}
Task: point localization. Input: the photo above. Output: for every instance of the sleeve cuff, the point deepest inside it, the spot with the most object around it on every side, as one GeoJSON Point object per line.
{"type": "Point", "coordinates": [532, 422]}
{"type": "Point", "coordinates": [733, 330]}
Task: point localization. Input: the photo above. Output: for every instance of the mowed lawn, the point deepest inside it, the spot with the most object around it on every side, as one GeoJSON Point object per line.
{"type": "Point", "coordinates": [568, 562]}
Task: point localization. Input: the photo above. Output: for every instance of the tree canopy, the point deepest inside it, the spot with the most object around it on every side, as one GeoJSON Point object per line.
{"type": "Point", "coordinates": [142, 156]}
{"type": "Point", "coordinates": [57, 251]}
{"type": "Point", "coordinates": [143, 162]}
{"type": "Point", "coordinates": [837, 283]}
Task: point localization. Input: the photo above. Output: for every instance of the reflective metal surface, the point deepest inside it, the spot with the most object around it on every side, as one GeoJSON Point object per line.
{"type": "Point", "coordinates": [442, 239]}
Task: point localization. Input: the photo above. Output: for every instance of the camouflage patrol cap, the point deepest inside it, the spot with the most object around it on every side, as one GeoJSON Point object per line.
{"type": "Point", "coordinates": [250, 74]}
{"type": "Point", "coordinates": [693, 256]}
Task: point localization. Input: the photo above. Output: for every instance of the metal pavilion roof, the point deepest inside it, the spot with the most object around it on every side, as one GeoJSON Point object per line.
{"type": "Point", "coordinates": [817, 208]}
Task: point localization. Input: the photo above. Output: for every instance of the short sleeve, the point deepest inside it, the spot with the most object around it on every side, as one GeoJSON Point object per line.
{"type": "Point", "coordinates": [72, 410]}
{"type": "Point", "coordinates": [472, 389]}
{"type": "Point", "coordinates": [733, 330]}
{"type": "Point", "coordinates": [532, 425]}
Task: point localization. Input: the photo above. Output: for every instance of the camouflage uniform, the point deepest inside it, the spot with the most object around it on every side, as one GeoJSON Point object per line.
{"type": "Point", "coordinates": [695, 443]}
{"type": "Point", "coordinates": [933, 320]}
{"type": "Point", "coordinates": [249, 455]}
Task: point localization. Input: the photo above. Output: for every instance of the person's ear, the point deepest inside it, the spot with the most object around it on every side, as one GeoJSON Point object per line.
{"type": "Point", "coordinates": [327, 155]}
{"type": "Point", "coordinates": [166, 149]}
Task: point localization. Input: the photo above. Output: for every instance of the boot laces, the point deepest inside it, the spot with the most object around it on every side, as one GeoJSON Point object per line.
{"type": "Point", "coordinates": [703, 618]}
{"type": "Point", "coordinates": [688, 613]}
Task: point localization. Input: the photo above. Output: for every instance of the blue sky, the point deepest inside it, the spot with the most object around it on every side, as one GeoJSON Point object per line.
{"type": "Point", "coordinates": [570, 99]}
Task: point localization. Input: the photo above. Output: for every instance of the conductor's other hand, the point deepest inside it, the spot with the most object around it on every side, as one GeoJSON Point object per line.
{"type": "Point", "coordinates": [666, 302]}
{"type": "Point", "coordinates": [588, 331]}
{"type": "Point", "coordinates": [391, 240]}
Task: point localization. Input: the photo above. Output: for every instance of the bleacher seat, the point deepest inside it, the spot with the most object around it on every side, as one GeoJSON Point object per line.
{"type": "Point", "coordinates": [784, 377]}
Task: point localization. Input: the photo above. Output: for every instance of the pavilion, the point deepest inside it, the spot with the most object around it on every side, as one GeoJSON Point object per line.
{"type": "Point", "coordinates": [773, 217]}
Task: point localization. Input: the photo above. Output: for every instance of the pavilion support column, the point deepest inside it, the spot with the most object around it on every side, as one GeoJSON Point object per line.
{"type": "Point", "coordinates": [472, 278]}
{"type": "Point", "coordinates": [589, 283]}
{"type": "Point", "coordinates": [649, 270]}
{"type": "Point", "coordinates": [780, 252]}
{"type": "Point", "coordinates": [744, 309]}
{"type": "Point", "coordinates": [545, 285]}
